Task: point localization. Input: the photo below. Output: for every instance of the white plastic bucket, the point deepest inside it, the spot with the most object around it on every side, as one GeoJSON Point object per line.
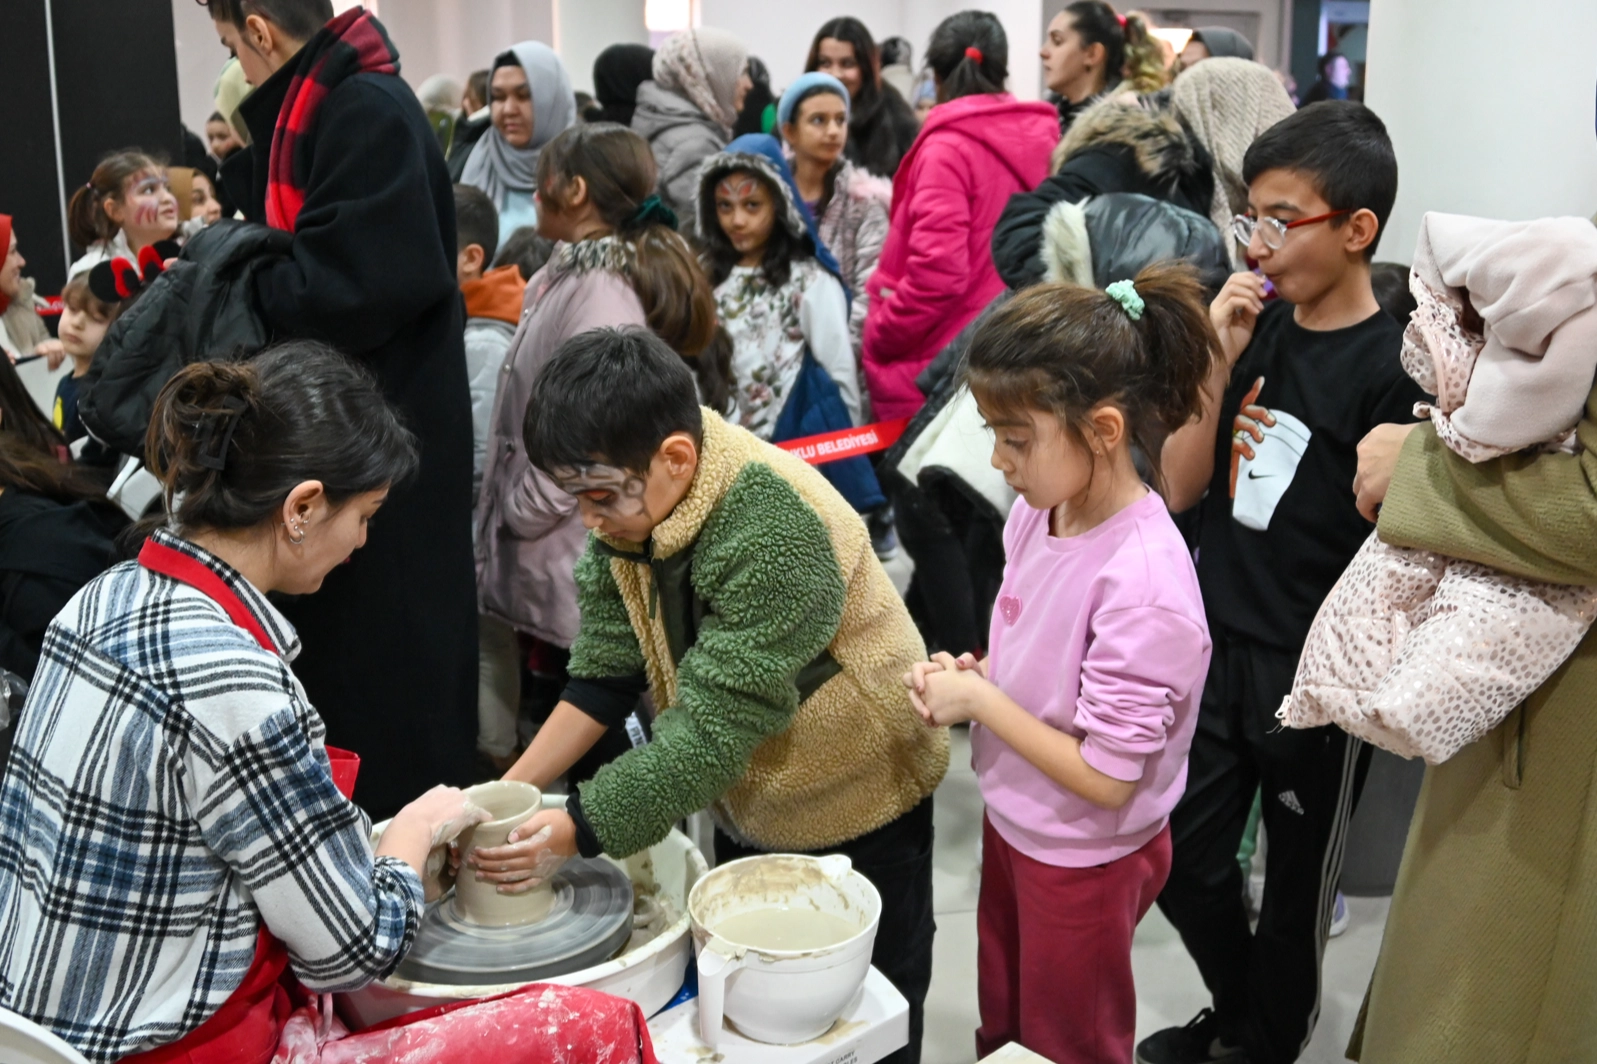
{"type": "Point", "coordinates": [782, 996]}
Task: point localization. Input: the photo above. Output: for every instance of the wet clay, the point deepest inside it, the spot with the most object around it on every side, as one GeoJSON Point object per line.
{"type": "Point", "coordinates": [512, 803]}
{"type": "Point", "coordinates": [786, 929]}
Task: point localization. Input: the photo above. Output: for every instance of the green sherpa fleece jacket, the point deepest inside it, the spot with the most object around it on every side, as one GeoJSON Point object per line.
{"type": "Point", "coordinates": [775, 644]}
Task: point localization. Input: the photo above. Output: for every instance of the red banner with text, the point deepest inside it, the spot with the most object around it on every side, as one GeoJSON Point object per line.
{"type": "Point", "coordinates": [846, 443]}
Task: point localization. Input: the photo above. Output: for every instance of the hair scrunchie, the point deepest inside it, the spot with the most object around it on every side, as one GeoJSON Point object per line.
{"type": "Point", "coordinates": [1120, 19]}
{"type": "Point", "coordinates": [652, 210]}
{"type": "Point", "coordinates": [974, 53]}
{"type": "Point", "coordinates": [1125, 293]}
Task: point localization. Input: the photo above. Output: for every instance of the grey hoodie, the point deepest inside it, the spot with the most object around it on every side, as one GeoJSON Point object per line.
{"type": "Point", "coordinates": [681, 137]}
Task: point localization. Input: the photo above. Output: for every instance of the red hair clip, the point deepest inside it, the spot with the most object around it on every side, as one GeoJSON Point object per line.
{"type": "Point", "coordinates": [1120, 19]}
{"type": "Point", "coordinates": [974, 53]}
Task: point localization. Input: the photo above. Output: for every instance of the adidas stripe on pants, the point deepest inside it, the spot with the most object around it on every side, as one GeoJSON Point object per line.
{"type": "Point", "coordinates": [1266, 983]}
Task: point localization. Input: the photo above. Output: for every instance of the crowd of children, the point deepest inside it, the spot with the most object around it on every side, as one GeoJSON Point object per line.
{"type": "Point", "coordinates": [642, 307]}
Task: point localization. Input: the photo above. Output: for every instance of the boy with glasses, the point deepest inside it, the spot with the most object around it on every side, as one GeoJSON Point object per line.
{"type": "Point", "coordinates": [1308, 374]}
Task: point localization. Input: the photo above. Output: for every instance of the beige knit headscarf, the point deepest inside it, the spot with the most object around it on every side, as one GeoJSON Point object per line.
{"type": "Point", "coordinates": [1228, 103]}
{"type": "Point", "coordinates": [704, 65]}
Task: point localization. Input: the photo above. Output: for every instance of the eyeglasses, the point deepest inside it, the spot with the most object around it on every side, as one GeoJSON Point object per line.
{"type": "Point", "coordinates": [1273, 230]}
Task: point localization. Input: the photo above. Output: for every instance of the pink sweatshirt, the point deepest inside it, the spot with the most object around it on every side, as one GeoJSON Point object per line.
{"type": "Point", "coordinates": [1102, 636]}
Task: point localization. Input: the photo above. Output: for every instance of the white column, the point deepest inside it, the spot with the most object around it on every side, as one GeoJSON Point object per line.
{"type": "Point", "coordinates": [584, 28]}
{"type": "Point", "coordinates": [1485, 121]}
{"type": "Point", "coordinates": [200, 56]}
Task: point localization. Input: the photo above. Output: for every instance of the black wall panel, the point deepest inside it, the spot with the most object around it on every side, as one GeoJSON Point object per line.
{"type": "Point", "coordinates": [116, 86]}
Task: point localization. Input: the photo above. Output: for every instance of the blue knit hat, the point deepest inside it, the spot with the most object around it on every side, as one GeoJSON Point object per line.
{"type": "Point", "coordinates": [806, 85]}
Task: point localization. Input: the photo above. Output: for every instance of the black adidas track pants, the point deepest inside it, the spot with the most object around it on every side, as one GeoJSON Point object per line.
{"type": "Point", "coordinates": [1266, 983]}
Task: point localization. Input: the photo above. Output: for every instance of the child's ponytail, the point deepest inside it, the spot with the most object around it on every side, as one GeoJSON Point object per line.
{"type": "Point", "coordinates": [1145, 345]}
{"type": "Point", "coordinates": [1179, 344]}
{"type": "Point", "coordinates": [87, 222]}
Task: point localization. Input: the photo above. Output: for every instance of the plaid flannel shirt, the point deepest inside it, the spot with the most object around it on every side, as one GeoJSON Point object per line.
{"type": "Point", "coordinates": [168, 791]}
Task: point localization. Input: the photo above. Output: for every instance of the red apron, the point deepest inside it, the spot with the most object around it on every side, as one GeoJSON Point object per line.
{"type": "Point", "coordinates": [247, 1026]}
{"type": "Point", "coordinates": [271, 1015]}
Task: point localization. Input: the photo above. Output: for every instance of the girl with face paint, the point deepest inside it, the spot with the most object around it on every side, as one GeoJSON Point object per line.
{"type": "Point", "coordinates": [778, 289]}
{"type": "Point", "coordinates": [126, 205]}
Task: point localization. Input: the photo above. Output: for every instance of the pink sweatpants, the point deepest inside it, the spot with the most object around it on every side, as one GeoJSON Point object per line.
{"type": "Point", "coordinates": [1053, 954]}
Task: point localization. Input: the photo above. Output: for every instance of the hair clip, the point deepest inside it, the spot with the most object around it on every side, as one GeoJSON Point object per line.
{"type": "Point", "coordinates": [213, 435]}
{"type": "Point", "coordinates": [652, 209]}
{"type": "Point", "coordinates": [974, 53]}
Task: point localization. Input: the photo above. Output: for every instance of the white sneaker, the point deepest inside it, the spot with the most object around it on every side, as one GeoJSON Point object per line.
{"type": "Point", "coordinates": [1340, 917]}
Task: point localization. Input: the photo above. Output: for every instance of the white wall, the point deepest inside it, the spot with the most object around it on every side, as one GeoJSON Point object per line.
{"type": "Point", "coordinates": [200, 56]}
{"type": "Point", "coordinates": [1498, 125]}
{"type": "Point", "coordinates": [584, 28]}
{"type": "Point", "coordinates": [455, 37]}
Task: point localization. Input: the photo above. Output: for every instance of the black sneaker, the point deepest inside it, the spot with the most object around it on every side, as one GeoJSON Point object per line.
{"type": "Point", "coordinates": [1196, 1043]}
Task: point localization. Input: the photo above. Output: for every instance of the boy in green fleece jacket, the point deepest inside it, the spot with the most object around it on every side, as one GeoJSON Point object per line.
{"type": "Point", "coordinates": [731, 580]}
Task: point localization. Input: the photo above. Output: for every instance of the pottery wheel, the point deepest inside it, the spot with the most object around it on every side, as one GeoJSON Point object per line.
{"type": "Point", "coordinates": [590, 921]}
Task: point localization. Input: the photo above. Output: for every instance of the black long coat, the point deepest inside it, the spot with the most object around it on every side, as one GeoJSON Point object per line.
{"type": "Point", "coordinates": [390, 658]}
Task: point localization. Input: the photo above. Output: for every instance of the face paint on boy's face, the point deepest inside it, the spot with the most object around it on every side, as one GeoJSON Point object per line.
{"type": "Point", "coordinates": [610, 499]}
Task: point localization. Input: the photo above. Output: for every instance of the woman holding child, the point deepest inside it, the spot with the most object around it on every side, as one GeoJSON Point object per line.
{"type": "Point", "coordinates": [1487, 952]}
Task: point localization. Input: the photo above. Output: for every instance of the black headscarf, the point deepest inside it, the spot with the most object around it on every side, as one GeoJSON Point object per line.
{"type": "Point", "coordinates": [759, 100]}
{"type": "Point", "coordinates": [617, 73]}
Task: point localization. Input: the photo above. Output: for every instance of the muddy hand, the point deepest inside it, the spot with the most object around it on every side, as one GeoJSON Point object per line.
{"type": "Point", "coordinates": [534, 851]}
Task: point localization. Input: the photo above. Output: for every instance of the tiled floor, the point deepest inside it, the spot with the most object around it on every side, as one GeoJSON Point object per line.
{"type": "Point", "coordinates": [1168, 988]}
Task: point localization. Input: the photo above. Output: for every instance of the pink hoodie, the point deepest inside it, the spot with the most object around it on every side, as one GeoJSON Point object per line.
{"type": "Point", "coordinates": [936, 271]}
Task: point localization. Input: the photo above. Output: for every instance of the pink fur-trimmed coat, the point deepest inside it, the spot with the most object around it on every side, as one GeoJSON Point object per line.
{"type": "Point", "coordinates": [854, 227]}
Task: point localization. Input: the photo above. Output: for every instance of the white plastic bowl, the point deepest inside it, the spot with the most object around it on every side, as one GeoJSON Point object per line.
{"type": "Point", "coordinates": [781, 996]}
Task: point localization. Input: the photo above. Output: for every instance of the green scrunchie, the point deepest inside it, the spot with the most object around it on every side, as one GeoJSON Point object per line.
{"type": "Point", "coordinates": [1125, 293]}
{"type": "Point", "coordinates": [652, 210]}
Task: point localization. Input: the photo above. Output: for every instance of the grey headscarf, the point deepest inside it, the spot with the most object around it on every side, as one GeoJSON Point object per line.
{"type": "Point", "coordinates": [495, 166]}
{"type": "Point", "coordinates": [1224, 43]}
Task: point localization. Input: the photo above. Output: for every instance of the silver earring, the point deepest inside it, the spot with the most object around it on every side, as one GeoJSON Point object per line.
{"type": "Point", "coordinates": [299, 527]}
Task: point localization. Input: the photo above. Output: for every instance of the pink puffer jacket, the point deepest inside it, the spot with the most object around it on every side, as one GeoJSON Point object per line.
{"type": "Point", "coordinates": [936, 272]}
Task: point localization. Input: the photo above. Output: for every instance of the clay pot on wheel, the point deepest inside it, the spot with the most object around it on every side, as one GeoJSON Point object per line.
{"type": "Point", "coordinates": [512, 804]}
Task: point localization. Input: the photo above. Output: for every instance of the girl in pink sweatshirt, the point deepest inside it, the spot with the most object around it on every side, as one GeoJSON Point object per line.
{"type": "Point", "coordinates": [1082, 714]}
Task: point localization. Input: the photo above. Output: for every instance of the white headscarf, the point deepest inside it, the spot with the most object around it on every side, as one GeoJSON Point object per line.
{"type": "Point", "coordinates": [1228, 103]}
{"type": "Point", "coordinates": [495, 166]}
{"type": "Point", "coordinates": [703, 66]}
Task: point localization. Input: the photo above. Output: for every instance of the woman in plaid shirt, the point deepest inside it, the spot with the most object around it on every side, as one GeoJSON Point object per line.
{"type": "Point", "coordinates": [171, 837]}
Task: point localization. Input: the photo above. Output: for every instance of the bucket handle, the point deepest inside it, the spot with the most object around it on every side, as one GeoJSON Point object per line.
{"type": "Point", "coordinates": [714, 968]}
{"type": "Point", "coordinates": [835, 866]}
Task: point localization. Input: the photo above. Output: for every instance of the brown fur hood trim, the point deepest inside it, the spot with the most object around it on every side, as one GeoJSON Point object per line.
{"type": "Point", "coordinates": [1161, 144]}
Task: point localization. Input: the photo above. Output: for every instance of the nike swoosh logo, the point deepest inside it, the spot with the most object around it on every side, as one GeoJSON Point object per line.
{"type": "Point", "coordinates": [1255, 476]}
